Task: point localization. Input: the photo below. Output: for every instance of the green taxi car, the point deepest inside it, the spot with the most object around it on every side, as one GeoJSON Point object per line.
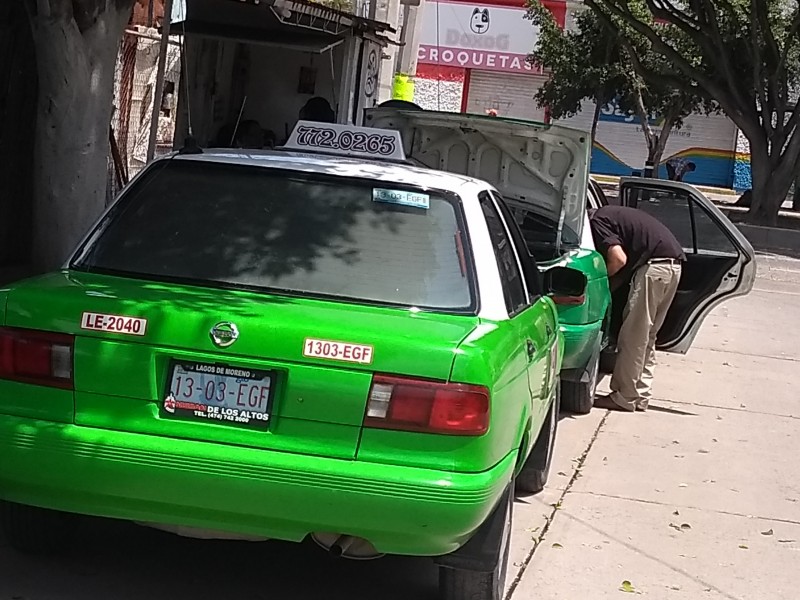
{"type": "Point", "coordinates": [285, 345]}
{"type": "Point", "coordinates": [542, 172]}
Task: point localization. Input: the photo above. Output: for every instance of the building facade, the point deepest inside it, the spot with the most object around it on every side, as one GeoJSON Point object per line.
{"type": "Point", "coordinates": [472, 58]}
{"type": "Point", "coordinates": [710, 142]}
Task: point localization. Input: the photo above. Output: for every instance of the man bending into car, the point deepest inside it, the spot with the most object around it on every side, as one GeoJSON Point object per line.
{"type": "Point", "coordinates": [638, 249]}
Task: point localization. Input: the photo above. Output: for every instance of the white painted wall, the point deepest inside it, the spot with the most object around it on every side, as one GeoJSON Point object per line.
{"type": "Point", "coordinates": [441, 95]}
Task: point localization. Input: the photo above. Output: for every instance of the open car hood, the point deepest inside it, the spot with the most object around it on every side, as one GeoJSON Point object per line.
{"type": "Point", "coordinates": [536, 167]}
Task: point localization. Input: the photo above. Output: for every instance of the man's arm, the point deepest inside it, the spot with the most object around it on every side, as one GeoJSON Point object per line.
{"type": "Point", "coordinates": [616, 259]}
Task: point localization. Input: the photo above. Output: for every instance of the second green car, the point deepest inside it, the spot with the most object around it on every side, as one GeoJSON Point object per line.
{"type": "Point", "coordinates": [542, 171]}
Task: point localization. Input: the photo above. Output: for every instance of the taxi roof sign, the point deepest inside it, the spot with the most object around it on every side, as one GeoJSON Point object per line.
{"type": "Point", "coordinates": [346, 140]}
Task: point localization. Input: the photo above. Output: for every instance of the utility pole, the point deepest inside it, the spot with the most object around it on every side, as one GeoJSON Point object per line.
{"type": "Point", "coordinates": [387, 11]}
{"type": "Point", "coordinates": [160, 74]}
{"type": "Point", "coordinates": [406, 65]}
{"type": "Point", "coordinates": [409, 37]}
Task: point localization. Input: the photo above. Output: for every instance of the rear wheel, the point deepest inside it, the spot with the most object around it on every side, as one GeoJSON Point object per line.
{"type": "Point", "coordinates": [463, 584]}
{"type": "Point", "coordinates": [34, 530]}
{"type": "Point", "coordinates": [578, 396]}
{"type": "Point", "coordinates": [533, 476]}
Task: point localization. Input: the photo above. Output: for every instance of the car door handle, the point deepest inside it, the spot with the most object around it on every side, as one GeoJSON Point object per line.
{"type": "Point", "coordinates": [531, 349]}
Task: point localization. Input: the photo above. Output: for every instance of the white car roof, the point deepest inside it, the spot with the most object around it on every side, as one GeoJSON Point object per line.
{"type": "Point", "coordinates": [340, 166]}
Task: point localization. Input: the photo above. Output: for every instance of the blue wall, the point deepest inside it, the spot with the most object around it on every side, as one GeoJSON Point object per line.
{"type": "Point", "coordinates": [713, 168]}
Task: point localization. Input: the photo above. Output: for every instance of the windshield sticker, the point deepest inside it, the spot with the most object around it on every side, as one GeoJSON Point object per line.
{"type": "Point", "coordinates": [113, 324]}
{"type": "Point", "coordinates": [355, 353]}
{"type": "Point", "coordinates": [402, 198]}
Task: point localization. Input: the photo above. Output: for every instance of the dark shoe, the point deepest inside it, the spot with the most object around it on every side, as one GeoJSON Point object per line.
{"type": "Point", "coordinates": [607, 403]}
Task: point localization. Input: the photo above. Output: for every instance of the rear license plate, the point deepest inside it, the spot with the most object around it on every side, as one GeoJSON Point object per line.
{"type": "Point", "coordinates": [219, 393]}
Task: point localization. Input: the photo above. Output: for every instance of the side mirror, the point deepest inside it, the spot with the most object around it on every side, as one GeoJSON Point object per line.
{"type": "Point", "coordinates": [565, 285]}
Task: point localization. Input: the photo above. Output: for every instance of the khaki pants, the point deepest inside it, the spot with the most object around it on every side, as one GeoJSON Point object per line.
{"type": "Point", "coordinates": [653, 289]}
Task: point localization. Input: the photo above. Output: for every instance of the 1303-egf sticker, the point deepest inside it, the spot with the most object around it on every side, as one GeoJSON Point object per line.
{"type": "Point", "coordinates": [355, 353]}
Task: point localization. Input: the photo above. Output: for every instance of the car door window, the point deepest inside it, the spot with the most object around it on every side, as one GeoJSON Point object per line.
{"type": "Point", "coordinates": [507, 261]}
{"type": "Point", "coordinates": [689, 222]}
{"type": "Point", "coordinates": [530, 270]}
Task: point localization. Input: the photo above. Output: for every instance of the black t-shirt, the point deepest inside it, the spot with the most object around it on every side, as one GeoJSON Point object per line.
{"type": "Point", "coordinates": [642, 237]}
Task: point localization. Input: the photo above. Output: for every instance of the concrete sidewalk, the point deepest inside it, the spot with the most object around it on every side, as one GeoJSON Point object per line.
{"type": "Point", "coordinates": [699, 497]}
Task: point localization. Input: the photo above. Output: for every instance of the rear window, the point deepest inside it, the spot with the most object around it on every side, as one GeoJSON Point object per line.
{"type": "Point", "coordinates": [288, 233]}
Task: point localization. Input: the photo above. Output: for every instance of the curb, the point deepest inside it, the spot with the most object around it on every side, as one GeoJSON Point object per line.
{"type": "Point", "coordinates": [772, 239]}
{"type": "Point", "coordinates": [614, 180]}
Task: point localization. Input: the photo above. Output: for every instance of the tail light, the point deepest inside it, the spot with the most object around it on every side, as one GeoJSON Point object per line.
{"type": "Point", "coordinates": [569, 300]}
{"type": "Point", "coordinates": [427, 406]}
{"type": "Point", "coordinates": [36, 357]}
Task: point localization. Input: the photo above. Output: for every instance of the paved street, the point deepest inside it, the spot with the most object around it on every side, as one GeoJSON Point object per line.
{"type": "Point", "coordinates": [698, 498]}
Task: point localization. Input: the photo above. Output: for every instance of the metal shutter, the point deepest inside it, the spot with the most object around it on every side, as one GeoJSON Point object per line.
{"type": "Point", "coordinates": [708, 141]}
{"type": "Point", "coordinates": [716, 132]}
{"type": "Point", "coordinates": [583, 120]}
{"type": "Point", "coordinates": [511, 95]}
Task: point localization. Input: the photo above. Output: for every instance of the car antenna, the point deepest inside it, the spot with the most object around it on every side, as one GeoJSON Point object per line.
{"type": "Point", "coordinates": [238, 121]}
{"type": "Point", "coordinates": [190, 145]}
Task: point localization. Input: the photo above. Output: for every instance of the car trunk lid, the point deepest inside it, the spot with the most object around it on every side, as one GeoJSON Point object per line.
{"type": "Point", "coordinates": [539, 168]}
{"type": "Point", "coordinates": [124, 372]}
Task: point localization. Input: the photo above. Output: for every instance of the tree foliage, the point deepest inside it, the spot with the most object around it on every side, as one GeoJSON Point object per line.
{"type": "Point", "coordinates": [606, 61]}
{"type": "Point", "coordinates": [584, 63]}
{"type": "Point", "coordinates": [742, 54]}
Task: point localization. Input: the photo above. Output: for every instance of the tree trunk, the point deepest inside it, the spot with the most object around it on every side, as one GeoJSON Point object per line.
{"type": "Point", "coordinates": [76, 86]}
{"type": "Point", "coordinates": [796, 193]}
{"type": "Point", "coordinates": [18, 85]}
{"type": "Point", "coordinates": [773, 171]}
{"type": "Point", "coordinates": [654, 154]}
{"type": "Point", "coordinates": [770, 188]}
{"type": "Point", "coordinates": [651, 138]}
{"type": "Point", "coordinates": [657, 146]}
{"type": "Point", "coordinates": [598, 106]}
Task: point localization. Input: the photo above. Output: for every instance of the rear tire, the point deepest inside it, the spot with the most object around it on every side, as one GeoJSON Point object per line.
{"type": "Point", "coordinates": [578, 396]}
{"type": "Point", "coordinates": [461, 584]}
{"type": "Point", "coordinates": [34, 530]}
{"type": "Point", "coordinates": [533, 476]}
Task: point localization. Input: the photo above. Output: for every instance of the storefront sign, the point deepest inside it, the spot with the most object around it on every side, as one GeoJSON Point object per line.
{"type": "Point", "coordinates": [476, 36]}
{"type": "Point", "coordinates": [613, 113]}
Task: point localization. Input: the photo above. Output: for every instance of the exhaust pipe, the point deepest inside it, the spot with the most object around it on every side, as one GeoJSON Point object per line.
{"type": "Point", "coordinates": [341, 545]}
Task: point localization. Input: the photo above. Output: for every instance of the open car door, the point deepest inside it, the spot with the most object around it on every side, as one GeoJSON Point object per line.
{"type": "Point", "coordinates": [720, 263]}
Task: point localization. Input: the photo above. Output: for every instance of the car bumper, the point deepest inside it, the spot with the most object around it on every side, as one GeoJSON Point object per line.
{"type": "Point", "coordinates": [400, 510]}
{"type": "Point", "coordinates": [580, 342]}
